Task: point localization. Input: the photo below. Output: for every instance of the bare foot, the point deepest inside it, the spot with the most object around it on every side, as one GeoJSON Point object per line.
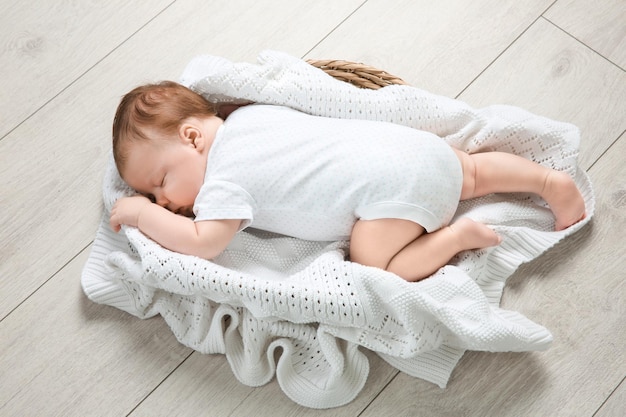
{"type": "Point", "coordinates": [564, 199]}
{"type": "Point", "coordinates": [474, 235]}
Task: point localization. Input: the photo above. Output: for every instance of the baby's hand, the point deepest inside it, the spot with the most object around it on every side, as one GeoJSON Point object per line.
{"type": "Point", "coordinates": [126, 211]}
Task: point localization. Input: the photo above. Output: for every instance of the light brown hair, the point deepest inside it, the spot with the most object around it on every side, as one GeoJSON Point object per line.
{"type": "Point", "coordinates": [150, 108]}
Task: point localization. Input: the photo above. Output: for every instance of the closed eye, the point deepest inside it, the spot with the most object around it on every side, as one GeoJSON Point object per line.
{"type": "Point", "coordinates": [151, 197]}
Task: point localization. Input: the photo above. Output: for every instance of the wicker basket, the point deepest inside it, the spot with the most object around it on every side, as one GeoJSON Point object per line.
{"type": "Point", "coordinates": [357, 74]}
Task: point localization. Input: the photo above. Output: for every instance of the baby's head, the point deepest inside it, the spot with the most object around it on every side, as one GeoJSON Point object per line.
{"type": "Point", "coordinates": [153, 113]}
{"type": "Point", "coordinates": [161, 137]}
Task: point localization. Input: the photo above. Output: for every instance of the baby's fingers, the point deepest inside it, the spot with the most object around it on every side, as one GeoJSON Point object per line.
{"type": "Point", "coordinates": [116, 219]}
{"type": "Point", "coordinates": [126, 211]}
{"type": "Point", "coordinates": [114, 222]}
{"type": "Point", "coordinates": [115, 225]}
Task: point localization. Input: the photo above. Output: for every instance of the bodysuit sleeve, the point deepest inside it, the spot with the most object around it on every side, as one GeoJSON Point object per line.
{"type": "Point", "coordinates": [220, 200]}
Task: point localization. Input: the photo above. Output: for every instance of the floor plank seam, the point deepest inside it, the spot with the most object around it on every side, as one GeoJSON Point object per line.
{"type": "Point", "coordinates": [46, 281]}
{"type": "Point", "coordinates": [156, 387]}
{"type": "Point", "coordinates": [583, 43]}
{"type": "Point", "coordinates": [382, 389]}
{"type": "Point", "coordinates": [611, 145]}
{"type": "Point", "coordinates": [497, 57]}
{"type": "Point", "coordinates": [333, 30]}
{"type": "Point", "coordinates": [608, 397]}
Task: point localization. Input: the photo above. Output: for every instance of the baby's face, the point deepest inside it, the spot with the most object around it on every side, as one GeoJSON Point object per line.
{"type": "Point", "coordinates": [169, 173]}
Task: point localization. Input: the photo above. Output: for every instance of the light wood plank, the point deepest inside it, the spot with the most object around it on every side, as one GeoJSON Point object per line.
{"type": "Point", "coordinates": [601, 25]}
{"type": "Point", "coordinates": [50, 184]}
{"type": "Point", "coordinates": [616, 404]}
{"type": "Point", "coordinates": [202, 386]}
{"type": "Point", "coordinates": [47, 45]}
{"type": "Point", "coordinates": [439, 46]}
{"type": "Point", "coordinates": [576, 290]}
{"type": "Point", "coordinates": [65, 356]}
{"type": "Point", "coordinates": [192, 391]}
{"type": "Point", "coordinates": [560, 79]}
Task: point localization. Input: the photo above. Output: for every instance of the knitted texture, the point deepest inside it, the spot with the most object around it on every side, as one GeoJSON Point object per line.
{"type": "Point", "coordinates": [268, 291]}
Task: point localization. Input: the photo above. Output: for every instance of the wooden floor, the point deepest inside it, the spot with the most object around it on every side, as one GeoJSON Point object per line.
{"type": "Point", "coordinates": [65, 64]}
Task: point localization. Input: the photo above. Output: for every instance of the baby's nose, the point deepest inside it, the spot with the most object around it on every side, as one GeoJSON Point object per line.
{"type": "Point", "coordinates": [162, 201]}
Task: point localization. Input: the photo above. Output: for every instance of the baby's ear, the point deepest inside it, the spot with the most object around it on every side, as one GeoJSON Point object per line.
{"type": "Point", "coordinates": [189, 133]}
{"type": "Point", "coordinates": [199, 142]}
{"type": "Point", "coordinates": [192, 136]}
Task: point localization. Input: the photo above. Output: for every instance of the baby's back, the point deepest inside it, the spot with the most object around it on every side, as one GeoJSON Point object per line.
{"type": "Point", "coordinates": [312, 177]}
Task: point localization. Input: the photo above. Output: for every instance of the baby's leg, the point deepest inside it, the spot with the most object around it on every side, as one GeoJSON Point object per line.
{"type": "Point", "coordinates": [499, 172]}
{"type": "Point", "coordinates": [402, 247]}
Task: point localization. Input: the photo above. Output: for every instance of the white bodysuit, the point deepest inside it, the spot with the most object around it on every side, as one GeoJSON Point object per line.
{"type": "Point", "coordinates": [312, 177]}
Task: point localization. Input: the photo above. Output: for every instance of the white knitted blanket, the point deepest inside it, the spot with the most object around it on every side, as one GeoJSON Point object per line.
{"type": "Point", "coordinates": [268, 291]}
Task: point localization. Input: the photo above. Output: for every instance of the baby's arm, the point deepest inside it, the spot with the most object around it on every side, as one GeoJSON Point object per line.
{"type": "Point", "coordinates": [205, 239]}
